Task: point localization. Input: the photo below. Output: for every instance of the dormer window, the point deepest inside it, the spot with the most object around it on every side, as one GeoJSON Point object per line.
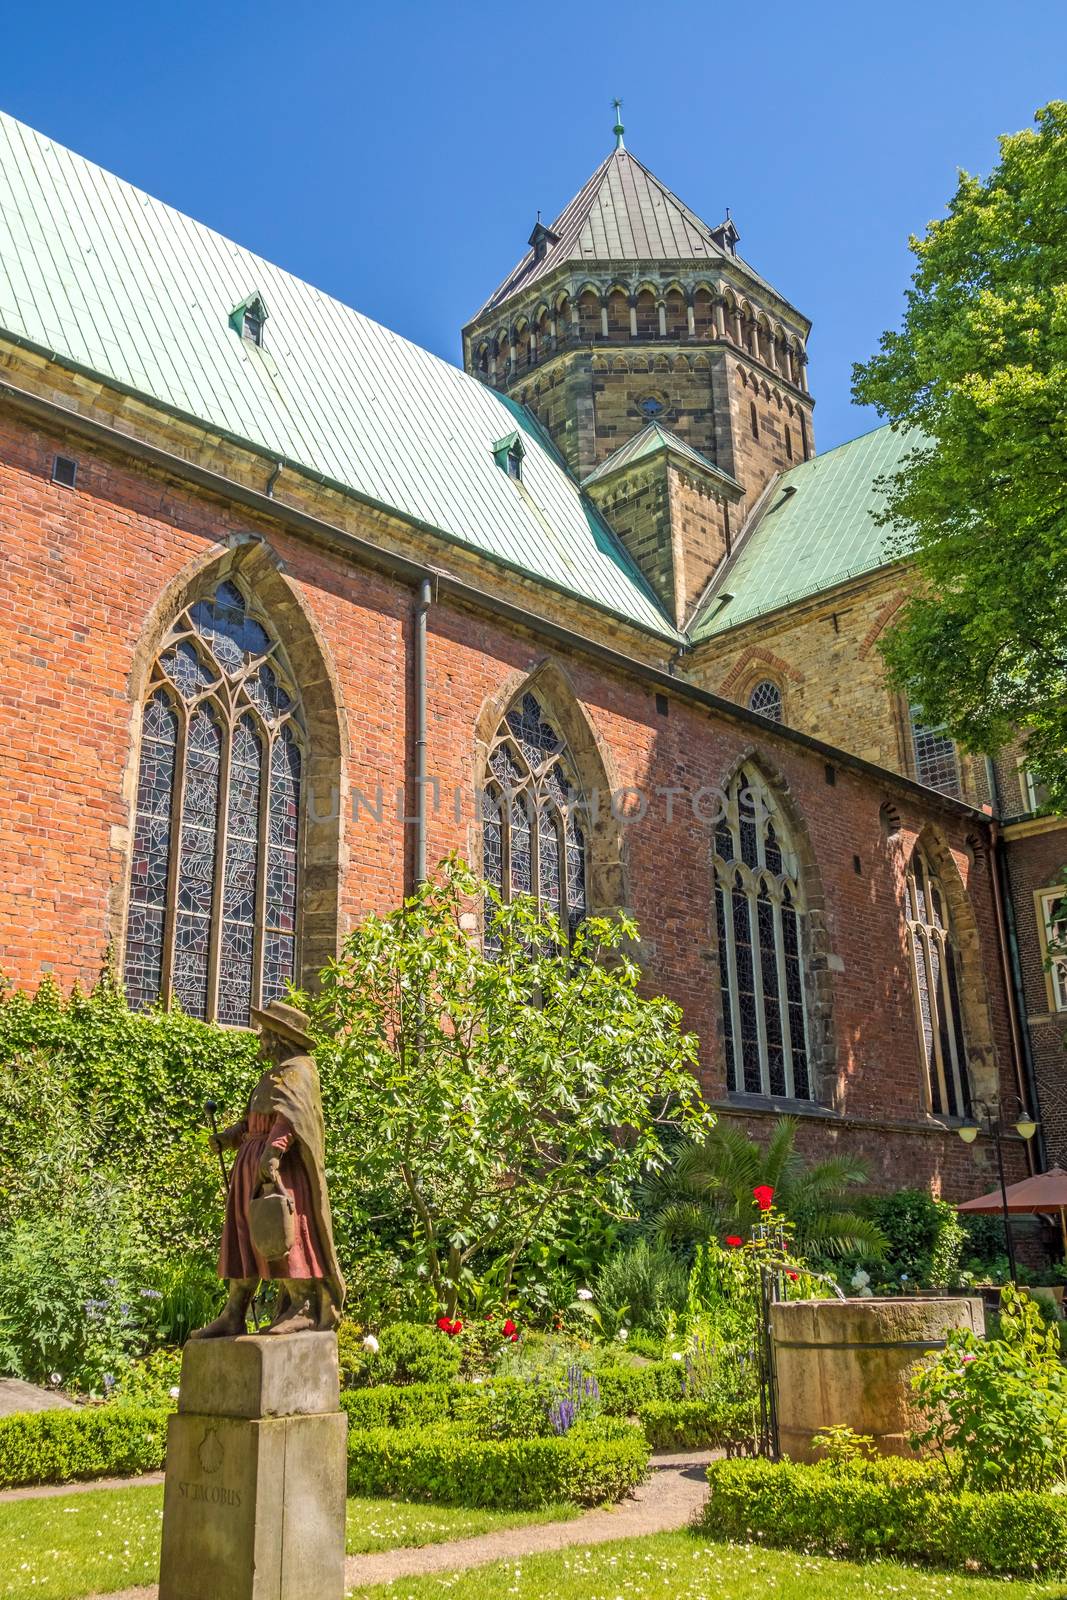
{"type": "Point", "coordinates": [542, 239]}
{"type": "Point", "coordinates": [252, 325]}
{"type": "Point", "coordinates": [508, 453]}
{"type": "Point", "coordinates": [249, 318]}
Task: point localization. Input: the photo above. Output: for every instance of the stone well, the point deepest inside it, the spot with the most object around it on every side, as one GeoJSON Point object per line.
{"type": "Point", "coordinates": [849, 1362]}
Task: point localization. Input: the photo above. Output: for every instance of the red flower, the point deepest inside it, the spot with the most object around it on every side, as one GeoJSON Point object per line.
{"type": "Point", "coordinates": [793, 1276]}
{"type": "Point", "coordinates": [457, 1327]}
{"type": "Point", "coordinates": [514, 1338]}
{"type": "Point", "coordinates": [444, 1325]}
{"type": "Point", "coordinates": [763, 1195]}
{"type": "Point", "coordinates": [508, 1329]}
{"type": "Point", "coordinates": [489, 1317]}
{"type": "Point", "coordinates": [733, 1240]}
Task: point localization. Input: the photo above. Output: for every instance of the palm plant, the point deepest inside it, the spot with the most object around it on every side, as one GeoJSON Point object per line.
{"type": "Point", "coordinates": [707, 1191]}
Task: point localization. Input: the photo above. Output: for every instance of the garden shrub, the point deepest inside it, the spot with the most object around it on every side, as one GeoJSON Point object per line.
{"type": "Point", "coordinates": [106, 1183]}
{"type": "Point", "coordinates": [151, 1380]}
{"type": "Point", "coordinates": [898, 1509]}
{"type": "Point", "coordinates": [997, 1408]}
{"type": "Point", "coordinates": [924, 1236]}
{"type": "Point", "coordinates": [408, 1352]}
{"type": "Point", "coordinates": [643, 1283]}
{"type": "Point", "coordinates": [410, 1405]}
{"type": "Point", "coordinates": [693, 1424]}
{"type": "Point", "coordinates": [447, 1465]}
{"type": "Point", "coordinates": [91, 1442]}
{"type": "Point", "coordinates": [623, 1390]}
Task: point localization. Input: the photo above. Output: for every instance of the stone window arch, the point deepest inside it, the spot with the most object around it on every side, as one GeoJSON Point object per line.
{"type": "Point", "coordinates": [766, 697]}
{"type": "Point", "coordinates": [763, 938]}
{"type": "Point", "coordinates": [937, 981]}
{"type": "Point", "coordinates": [534, 812]}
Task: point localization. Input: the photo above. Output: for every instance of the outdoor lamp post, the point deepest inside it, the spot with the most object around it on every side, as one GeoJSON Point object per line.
{"type": "Point", "coordinates": [993, 1124]}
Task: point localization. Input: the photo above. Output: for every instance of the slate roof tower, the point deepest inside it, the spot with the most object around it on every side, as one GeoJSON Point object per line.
{"type": "Point", "coordinates": [629, 313]}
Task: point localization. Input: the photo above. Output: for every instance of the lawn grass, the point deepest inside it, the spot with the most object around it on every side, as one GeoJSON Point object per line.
{"type": "Point", "coordinates": [666, 1566]}
{"type": "Point", "coordinates": [64, 1546]}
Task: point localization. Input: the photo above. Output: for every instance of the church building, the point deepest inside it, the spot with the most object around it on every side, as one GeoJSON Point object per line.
{"type": "Point", "coordinates": [292, 608]}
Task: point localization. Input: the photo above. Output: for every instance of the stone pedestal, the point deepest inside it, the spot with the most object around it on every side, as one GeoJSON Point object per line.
{"type": "Point", "coordinates": [254, 1504]}
{"type": "Point", "coordinates": [850, 1362]}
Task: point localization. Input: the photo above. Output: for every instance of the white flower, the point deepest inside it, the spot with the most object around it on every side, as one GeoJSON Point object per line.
{"type": "Point", "coordinates": [622, 1335]}
{"type": "Point", "coordinates": [676, 1355]}
{"type": "Point", "coordinates": [585, 1294]}
{"type": "Point", "coordinates": [370, 1343]}
{"type": "Point", "coordinates": [860, 1279]}
{"type": "Point", "coordinates": [55, 1379]}
{"type": "Point", "coordinates": [477, 1380]}
{"type": "Point", "coordinates": [173, 1392]}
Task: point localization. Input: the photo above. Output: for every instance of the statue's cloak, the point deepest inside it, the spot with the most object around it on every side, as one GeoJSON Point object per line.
{"type": "Point", "coordinates": [296, 1096]}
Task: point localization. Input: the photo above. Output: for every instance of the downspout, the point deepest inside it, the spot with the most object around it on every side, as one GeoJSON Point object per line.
{"type": "Point", "coordinates": [422, 607]}
{"type": "Point", "coordinates": [1008, 944]}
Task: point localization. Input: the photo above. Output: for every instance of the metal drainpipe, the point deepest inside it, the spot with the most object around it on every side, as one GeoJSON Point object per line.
{"type": "Point", "coordinates": [421, 609]}
{"type": "Point", "coordinates": [1007, 938]}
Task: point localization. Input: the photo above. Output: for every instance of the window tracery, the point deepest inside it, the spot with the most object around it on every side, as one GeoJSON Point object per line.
{"type": "Point", "coordinates": [936, 974]}
{"type": "Point", "coordinates": [532, 839]}
{"type": "Point", "coordinates": [213, 885]}
{"type": "Point", "coordinates": [760, 926]}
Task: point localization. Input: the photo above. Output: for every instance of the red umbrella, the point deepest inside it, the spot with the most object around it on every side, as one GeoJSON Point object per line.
{"type": "Point", "coordinates": [1046, 1192]}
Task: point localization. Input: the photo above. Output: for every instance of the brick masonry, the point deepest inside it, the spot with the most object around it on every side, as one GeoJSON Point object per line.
{"type": "Point", "coordinates": [86, 581]}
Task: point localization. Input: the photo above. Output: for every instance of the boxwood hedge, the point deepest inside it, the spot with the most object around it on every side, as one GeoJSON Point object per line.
{"type": "Point", "coordinates": [447, 1465]}
{"type": "Point", "coordinates": [907, 1510]}
{"type": "Point", "coordinates": [93, 1442]}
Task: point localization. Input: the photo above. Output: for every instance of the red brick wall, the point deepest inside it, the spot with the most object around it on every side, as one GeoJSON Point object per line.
{"type": "Point", "coordinates": [80, 572]}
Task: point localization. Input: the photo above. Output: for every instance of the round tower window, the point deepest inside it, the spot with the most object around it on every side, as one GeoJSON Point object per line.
{"type": "Point", "coordinates": [650, 408]}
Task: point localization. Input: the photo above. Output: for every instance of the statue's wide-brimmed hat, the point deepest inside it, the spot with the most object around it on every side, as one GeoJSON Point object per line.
{"type": "Point", "coordinates": [284, 1022]}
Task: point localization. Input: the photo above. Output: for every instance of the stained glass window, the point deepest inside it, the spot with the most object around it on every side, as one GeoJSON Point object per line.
{"type": "Point", "coordinates": [212, 917]}
{"type": "Point", "coordinates": [936, 762]}
{"type": "Point", "coordinates": [532, 839]}
{"type": "Point", "coordinates": [935, 972]}
{"type": "Point", "coordinates": [760, 931]}
{"type": "Point", "coordinates": [766, 698]}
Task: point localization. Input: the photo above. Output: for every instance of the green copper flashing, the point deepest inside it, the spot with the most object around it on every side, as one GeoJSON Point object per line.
{"type": "Point", "coordinates": [618, 129]}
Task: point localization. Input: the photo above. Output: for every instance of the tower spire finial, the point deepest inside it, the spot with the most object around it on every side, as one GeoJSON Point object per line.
{"type": "Point", "coordinates": [618, 129]}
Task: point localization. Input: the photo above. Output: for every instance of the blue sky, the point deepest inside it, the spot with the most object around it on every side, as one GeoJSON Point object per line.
{"type": "Point", "coordinates": [396, 155]}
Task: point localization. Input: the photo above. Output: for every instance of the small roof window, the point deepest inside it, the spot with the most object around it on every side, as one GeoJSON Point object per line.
{"type": "Point", "coordinates": [508, 453]}
{"type": "Point", "coordinates": [249, 319]}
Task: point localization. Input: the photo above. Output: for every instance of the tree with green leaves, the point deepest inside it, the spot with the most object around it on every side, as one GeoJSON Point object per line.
{"type": "Point", "coordinates": [979, 371]}
{"type": "Point", "coordinates": [708, 1192]}
{"type": "Point", "coordinates": [497, 1091]}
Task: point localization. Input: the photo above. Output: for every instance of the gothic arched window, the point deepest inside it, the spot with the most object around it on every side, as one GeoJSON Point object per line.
{"type": "Point", "coordinates": [766, 698]}
{"type": "Point", "coordinates": [936, 973]}
{"type": "Point", "coordinates": [760, 922]}
{"type": "Point", "coordinates": [532, 841]}
{"type": "Point", "coordinates": [213, 885]}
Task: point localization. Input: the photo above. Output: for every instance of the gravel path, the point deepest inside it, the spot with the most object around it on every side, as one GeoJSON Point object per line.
{"type": "Point", "coordinates": [46, 1491]}
{"type": "Point", "coordinates": [675, 1491]}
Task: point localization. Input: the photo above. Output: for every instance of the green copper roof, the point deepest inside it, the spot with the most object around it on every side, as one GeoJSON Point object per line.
{"type": "Point", "coordinates": [817, 536]}
{"type": "Point", "coordinates": [651, 439]}
{"type": "Point", "coordinates": [103, 277]}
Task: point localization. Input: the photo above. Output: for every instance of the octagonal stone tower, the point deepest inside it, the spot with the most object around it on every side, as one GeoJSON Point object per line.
{"type": "Point", "coordinates": [630, 311]}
